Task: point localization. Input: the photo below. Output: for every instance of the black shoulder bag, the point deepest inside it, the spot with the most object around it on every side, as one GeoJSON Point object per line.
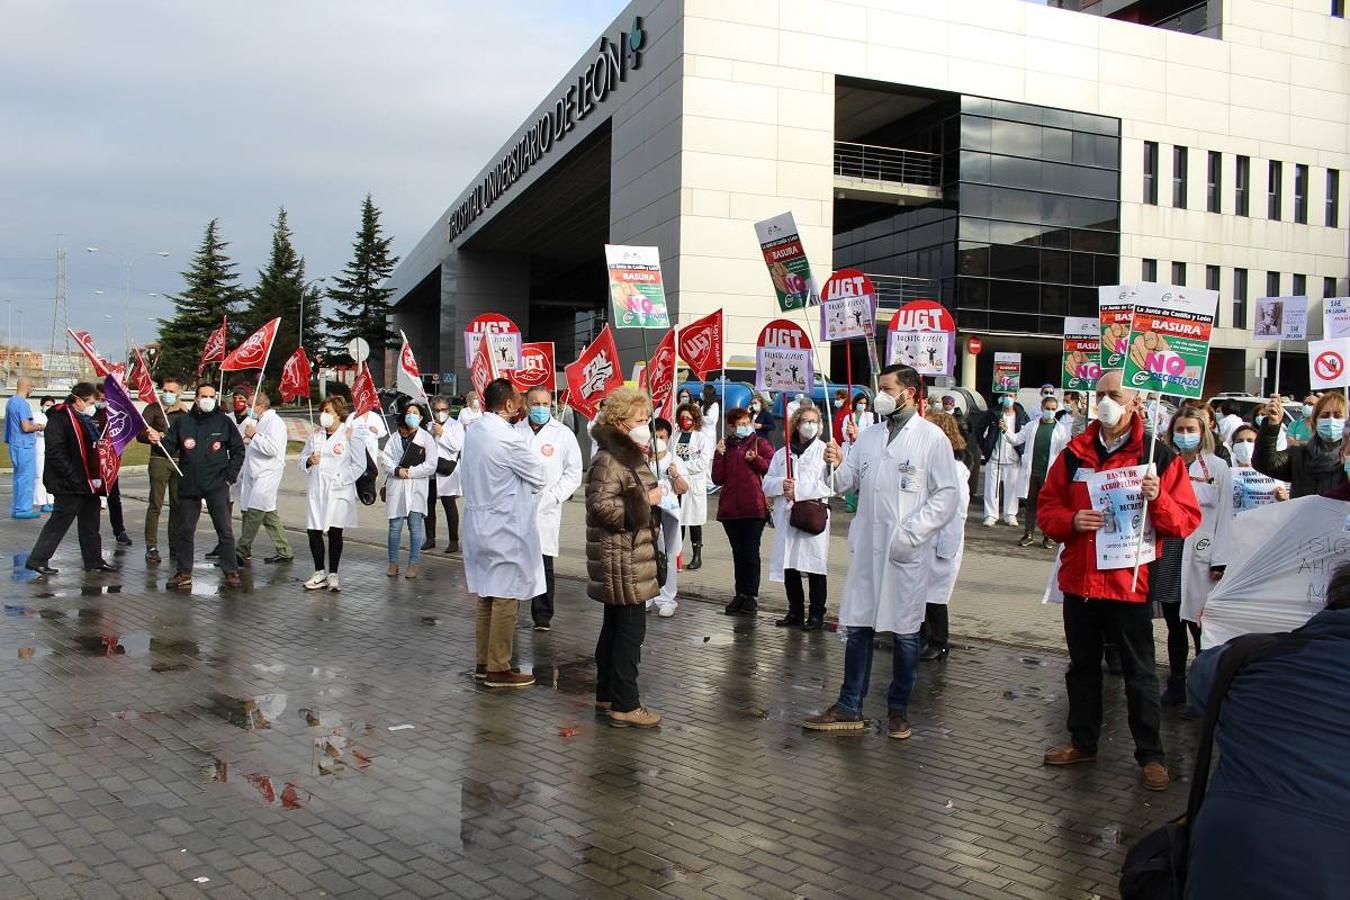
{"type": "Point", "coordinates": [657, 546]}
{"type": "Point", "coordinates": [414, 454]}
{"type": "Point", "coordinates": [1155, 867]}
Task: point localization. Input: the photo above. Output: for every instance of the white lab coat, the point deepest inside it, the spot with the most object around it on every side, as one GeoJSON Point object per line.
{"type": "Point", "coordinates": [264, 463]}
{"type": "Point", "coordinates": [407, 495]}
{"type": "Point", "coordinates": [40, 495]}
{"type": "Point", "coordinates": [502, 481]}
{"type": "Point", "coordinates": [864, 420]}
{"type": "Point", "coordinates": [908, 489]}
{"type": "Point", "coordinates": [670, 529]}
{"type": "Point", "coordinates": [331, 500]}
{"type": "Point", "coordinates": [793, 548]}
{"type": "Point", "coordinates": [950, 544]}
{"type": "Point", "coordinates": [449, 445]}
{"type": "Point", "coordinates": [558, 454]}
{"type": "Point", "coordinates": [368, 430]}
{"type": "Point", "coordinates": [453, 485]}
{"type": "Point", "coordinates": [1209, 544]}
{"type": "Point", "coordinates": [696, 456]}
{"type": "Point", "coordinates": [1059, 439]}
{"type": "Point", "coordinates": [710, 415]}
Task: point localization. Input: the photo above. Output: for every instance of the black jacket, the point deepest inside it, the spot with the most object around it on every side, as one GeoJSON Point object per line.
{"type": "Point", "coordinates": [64, 469]}
{"type": "Point", "coordinates": [209, 450]}
{"type": "Point", "coordinates": [989, 431]}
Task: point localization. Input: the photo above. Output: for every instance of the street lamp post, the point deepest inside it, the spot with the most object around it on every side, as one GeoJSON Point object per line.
{"type": "Point", "coordinates": [129, 262]}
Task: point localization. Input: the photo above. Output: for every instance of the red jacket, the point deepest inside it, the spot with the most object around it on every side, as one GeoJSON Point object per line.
{"type": "Point", "coordinates": [742, 480]}
{"type": "Point", "coordinates": [1175, 513]}
{"type": "Point", "coordinates": [840, 416]}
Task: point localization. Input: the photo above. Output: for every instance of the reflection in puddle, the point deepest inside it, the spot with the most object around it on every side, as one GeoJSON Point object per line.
{"type": "Point", "coordinates": [20, 573]}
{"type": "Point", "coordinates": [94, 590]}
{"type": "Point", "coordinates": [27, 653]}
{"type": "Point", "coordinates": [20, 612]}
{"type": "Point", "coordinates": [248, 713]}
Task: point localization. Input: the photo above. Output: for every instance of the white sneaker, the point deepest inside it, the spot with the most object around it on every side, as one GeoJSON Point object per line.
{"type": "Point", "coordinates": [333, 583]}
{"type": "Point", "coordinates": [316, 581]}
{"type": "Point", "coordinates": [990, 521]}
{"type": "Point", "coordinates": [1010, 520]}
{"type": "Point", "coordinates": [666, 612]}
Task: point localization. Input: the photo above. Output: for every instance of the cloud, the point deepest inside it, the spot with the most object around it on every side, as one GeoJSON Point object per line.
{"type": "Point", "coordinates": [128, 125]}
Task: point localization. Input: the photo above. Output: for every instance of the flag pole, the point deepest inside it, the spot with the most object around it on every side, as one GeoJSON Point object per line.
{"type": "Point", "coordinates": [164, 412]}
{"type": "Point", "coordinates": [262, 373]}
{"type": "Point", "coordinates": [1143, 518]}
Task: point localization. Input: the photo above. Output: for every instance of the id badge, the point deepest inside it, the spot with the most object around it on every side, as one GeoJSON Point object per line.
{"type": "Point", "coordinates": [910, 478]}
{"type": "Point", "coordinates": [1083, 475]}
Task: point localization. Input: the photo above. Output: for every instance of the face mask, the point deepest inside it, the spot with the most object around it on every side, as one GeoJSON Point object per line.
{"type": "Point", "coordinates": [1047, 415]}
{"type": "Point", "coordinates": [240, 405]}
{"type": "Point", "coordinates": [206, 404]}
{"type": "Point", "coordinates": [1186, 441]}
{"type": "Point", "coordinates": [809, 429]}
{"type": "Point", "coordinates": [641, 435]}
{"type": "Point", "coordinates": [540, 415]}
{"type": "Point", "coordinates": [1242, 452]}
{"type": "Point", "coordinates": [838, 404]}
{"type": "Point", "coordinates": [684, 399]}
{"type": "Point", "coordinates": [100, 404]}
{"type": "Point", "coordinates": [327, 420]}
{"type": "Point", "coordinates": [743, 431]}
{"type": "Point", "coordinates": [884, 404]}
{"type": "Point", "coordinates": [412, 420]}
{"type": "Point", "coordinates": [754, 407]}
{"type": "Point", "coordinates": [88, 410]}
{"type": "Point", "coordinates": [1330, 429]}
{"type": "Point", "coordinates": [660, 447]}
{"type": "Point", "coordinates": [1005, 402]}
{"type": "Point", "coordinates": [253, 414]}
{"type": "Point", "coordinates": [442, 415]}
{"type": "Point", "coordinates": [686, 423]}
{"type": "Point", "coordinates": [1109, 411]}
{"type": "Point", "coordinates": [170, 398]}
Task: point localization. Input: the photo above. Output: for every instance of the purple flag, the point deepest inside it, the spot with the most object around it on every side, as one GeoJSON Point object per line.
{"type": "Point", "coordinates": [124, 419]}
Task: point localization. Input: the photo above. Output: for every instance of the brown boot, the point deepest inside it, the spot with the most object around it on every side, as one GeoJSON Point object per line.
{"type": "Point", "coordinates": [232, 579]}
{"type": "Point", "coordinates": [509, 679]}
{"type": "Point", "coordinates": [1154, 776]}
{"type": "Point", "coordinates": [637, 718]}
{"type": "Point", "coordinates": [411, 573]}
{"type": "Point", "coordinates": [393, 570]}
{"type": "Point", "coordinates": [181, 582]}
{"type": "Point", "coordinates": [1067, 755]}
{"type": "Point", "coordinates": [898, 726]}
{"type": "Point", "coordinates": [835, 719]}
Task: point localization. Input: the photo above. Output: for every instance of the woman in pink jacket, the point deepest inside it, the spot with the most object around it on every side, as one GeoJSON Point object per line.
{"type": "Point", "coordinates": [738, 469]}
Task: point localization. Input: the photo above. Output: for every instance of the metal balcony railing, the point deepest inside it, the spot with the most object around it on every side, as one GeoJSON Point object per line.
{"type": "Point", "coordinates": [1191, 20]}
{"type": "Point", "coordinates": [894, 291]}
{"type": "Point", "coordinates": [886, 165]}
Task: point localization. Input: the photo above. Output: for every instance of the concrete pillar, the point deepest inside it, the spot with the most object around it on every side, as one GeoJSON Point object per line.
{"type": "Point", "coordinates": [473, 283]}
{"type": "Point", "coordinates": [968, 363]}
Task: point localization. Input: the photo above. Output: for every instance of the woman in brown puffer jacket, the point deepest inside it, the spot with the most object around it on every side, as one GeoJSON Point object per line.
{"type": "Point", "coordinates": [621, 496]}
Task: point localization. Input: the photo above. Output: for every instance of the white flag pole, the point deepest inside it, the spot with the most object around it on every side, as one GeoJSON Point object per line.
{"type": "Point", "coordinates": [1143, 518]}
{"type": "Point", "coordinates": [262, 373]}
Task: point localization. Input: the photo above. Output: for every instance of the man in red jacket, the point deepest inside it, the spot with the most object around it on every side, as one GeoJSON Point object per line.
{"type": "Point", "coordinates": [1101, 603]}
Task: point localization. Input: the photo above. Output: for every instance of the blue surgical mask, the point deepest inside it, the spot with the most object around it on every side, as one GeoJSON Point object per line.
{"type": "Point", "coordinates": [1330, 429]}
{"type": "Point", "coordinates": [170, 398]}
{"type": "Point", "coordinates": [101, 404]}
{"type": "Point", "coordinates": [539, 415]}
{"type": "Point", "coordinates": [744, 431]}
{"type": "Point", "coordinates": [1186, 440]}
{"type": "Point", "coordinates": [1047, 415]}
{"type": "Point", "coordinates": [412, 420]}
{"type": "Point", "coordinates": [1005, 402]}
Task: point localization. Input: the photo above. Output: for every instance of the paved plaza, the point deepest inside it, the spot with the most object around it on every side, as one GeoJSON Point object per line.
{"type": "Point", "coordinates": [271, 742]}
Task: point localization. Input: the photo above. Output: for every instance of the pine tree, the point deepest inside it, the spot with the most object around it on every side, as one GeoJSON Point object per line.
{"type": "Point", "coordinates": [211, 291]}
{"type": "Point", "coordinates": [362, 300]}
{"type": "Point", "coordinates": [277, 294]}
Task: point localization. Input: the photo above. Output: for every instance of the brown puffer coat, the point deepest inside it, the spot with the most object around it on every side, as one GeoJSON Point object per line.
{"type": "Point", "coordinates": [620, 556]}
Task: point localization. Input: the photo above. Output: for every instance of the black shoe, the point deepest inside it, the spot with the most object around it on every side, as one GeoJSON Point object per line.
{"type": "Point", "coordinates": [273, 560]}
{"type": "Point", "coordinates": [789, 620]}
{"type": "Point", "coordinates": [152, 557]}
{"type": "Point", "coordinates": [814, 623]}
{"type": "Point", "coordinates": [452, 548]}
{"type": "Point", "coordinates": [242, 559]}
{"type": "Point", "coordinates": [543, 626]}
{"type": "Point", "coordinates": [213, 552]}
{"type": "Point", "coordinates": [749, 607]}
{"type": "Point", "coordinates": [1175, 692]}
{"type": "Point", "coordinates": [1026, 541]}
{"type": "Point", "coordinates": [123, 539]}
{"type": "Point", "coordinates": [104, 566]}
{"type": "Point", "coordinates": [428, 545]}
{"type": "Point", "coordinates": [1112, 656]}
{"type": "Point", "coordinates": [933, 652]}
{"type": "Point", "coordinates": [696, 561]}
{"type": "Point", "coordinates": [40, 568]}
{"type": "Point", "coordinates": [734, 607]}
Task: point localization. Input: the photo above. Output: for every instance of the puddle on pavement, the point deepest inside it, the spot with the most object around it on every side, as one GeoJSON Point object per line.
{"type": "Point", "coordinates": [248, 713]}
{"type": "Point", "coordinates": [714, 640]}
{"type": "Point", "coordinates": [576, 677]}
{"type": "Point", "coordinates": [498, 815]}
{"type": "Point", "coordinates": [337, 750]}
{"type": "Point", "coordinates": [133, 644]}
{"type": "Point", "coordinates": [17, 611]}
{"type": "Point", "coordinates": [94, 590]}
{"type": "Point", "coordinates": [429, 620]}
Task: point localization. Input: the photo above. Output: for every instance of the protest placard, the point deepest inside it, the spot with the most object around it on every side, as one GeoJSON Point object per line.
{"type": "Point", "coordinates": [1115, 309]}
{"type": "Point", "coordinates": [1118, 494]}
{"type": "Point", "coordinates": [1082, 354]}
{"type": "Point", "coordinates": [1007, 373]}
{"type": "Point", "coordinates": [1251, 490]}
{"type": "Point", "coordinates": [635, 287]}
{"type": "Point", "coordinates": [848, 306]}
{"type": "Point", "coordinates": [789, 268]}
{"type": "Point", "coordinates": [1169, 339]}
{"type": "Point", "coordinates": [783, 358]}
{"type": "Point", "coordinates": [1281, 318]}
{"type": "Point", "coordinates": [922, 334]}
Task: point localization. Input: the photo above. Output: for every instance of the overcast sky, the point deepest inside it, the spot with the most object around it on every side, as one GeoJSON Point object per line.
{"type": "Point", "coordinates": [128, 125]}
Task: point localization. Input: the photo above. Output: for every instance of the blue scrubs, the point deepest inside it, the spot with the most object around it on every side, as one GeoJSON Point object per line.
{"type": "Point", "coordinates": [22, 454]}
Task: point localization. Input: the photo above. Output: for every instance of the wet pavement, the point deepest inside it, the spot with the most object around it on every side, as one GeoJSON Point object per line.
{"type": "Point", "coordinates": [275, 742]}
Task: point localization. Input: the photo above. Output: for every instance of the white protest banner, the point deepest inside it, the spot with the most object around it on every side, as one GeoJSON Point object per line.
{"type": "Point", "coordinates": [1281, 318]}
{"type": "Point", "coordinates": [1327, 363]}
{"type": "Point", "coordinates": [783, 358]}
{"type": "Point", "coordinates": [1281, 558]}
{"type": "Point", "coordinates": [1118, 494]}
{"type": "Point", "coordinates": [922, 334]}
{"type": "Point", "coordinates": [848, 306]}
{"type": "Point", "coordinates": [1251, 490]}
{"type": "Point", "coordinates": [1115, 312]}
{"type": "Point", "coordinates": [1336, 317]}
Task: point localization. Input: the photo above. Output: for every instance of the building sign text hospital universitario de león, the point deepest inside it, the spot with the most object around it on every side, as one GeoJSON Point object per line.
{"type": "Point", "coordinates": [611, 65]}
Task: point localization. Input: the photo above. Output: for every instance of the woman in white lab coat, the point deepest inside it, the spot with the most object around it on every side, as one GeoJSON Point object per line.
{"type": "Point", "coordinates": [333, 459]}
{"type": "Point", "coordinates": [948, 549]}
{"type": "Point", "coordinates": [409, 463]}
{"type": "Point", "coordinates": [711, 410]}
{"type": "Point", "coordinates": [449, 435]}
{"type": "Point", "coordinates": [800, 478]}
{"type": "Point", "coordinates": [40, 496]}
{"type": "Point", "coordinates": [855, 422]}
{"type": "Point", "coordinates": [694, 448]}
{"type": "Point", "coordinates": [1205, 552]}
{"type": "Point", "coordinates": [472, 412]}
{"type": "Point", "coordinates": [672, 478]}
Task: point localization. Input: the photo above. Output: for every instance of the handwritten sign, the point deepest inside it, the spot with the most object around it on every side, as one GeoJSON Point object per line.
{"type": "Point", "coordinates": [1118, 494]}
{"type": "Point", "coordinates": [1251, 490]}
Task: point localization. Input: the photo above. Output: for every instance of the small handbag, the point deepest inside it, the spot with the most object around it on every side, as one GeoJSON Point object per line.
{"type": "Point", "coordinates": [446, 466]}
{"type": "Point", "coordinates": [809, 516]}
{"type": "Point", "coordinates": [657, 547]}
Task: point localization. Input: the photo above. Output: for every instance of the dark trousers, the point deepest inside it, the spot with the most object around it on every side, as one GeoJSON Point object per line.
{"type": "Point", "coordinates": [1034, 484]}
{"type": "Point", "coordinates": [218, 507]}
{"type": "Point", "coordinates": [1087, 624]}
{"type": "Point", "coordinates": [84, 510]}
{"type": "Point", "coordinates": [617, 655]}
{"type": "Point", "coordinates": [334, 549]}
{"type": "Point", "coordinates": [934, 630]}
{"type": "Point", "coordinates": [429, 521]}
{"type": "Point", "coordinates": [695, 535]}
{"type": "Point", "coordinates": [792, 584]}
{"type": "Point", "coordinates": [115, 519]}
{"type": "Point", "coordinates": [541, 607]}
{"type": "Point", "coordinates": [1178, 633]}
{"type": "Point", "coordinates": [744, 536]}
{"type": "Point", "coordinates": [451, 517]}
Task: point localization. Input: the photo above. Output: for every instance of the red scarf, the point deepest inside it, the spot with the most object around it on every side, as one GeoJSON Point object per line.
{"type": "Point", "coordinates": [82, 441]}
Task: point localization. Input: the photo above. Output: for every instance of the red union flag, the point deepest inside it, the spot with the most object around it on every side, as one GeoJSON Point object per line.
{"type": "Point", "coordinates": [109, 464]}
{"type": "Point", "coordinates": [214, 351]}
{"type": "Point", "coordinates": [536, 368]}
{"type": "Point", "coordinates": [253, 353]}
{"type": "Point", "coordinates": [661, 373]}
{"type": "Point", "coordinates": [364, 396]}
{"type": "Point", "coordinates": [595, 373]}
{"type": "Point", "coordinates": [409, 378]}
{"type": "Point", "coordinates": [101, 366]}
{"type": "Point", "coordinates": [141, 381]}
{"type": "Point", "coordinates": [482, 370]}
{"type": "Point", "coordinates": [295, 376]}
{"type": "Point", "coordinates": [700, 344]}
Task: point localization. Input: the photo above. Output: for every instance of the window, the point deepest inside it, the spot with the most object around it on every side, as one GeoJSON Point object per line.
{"type": "Point", "coordinates": [1300, 286]}
{"type": "Point", "coordinates": [1179, 274]}
{"type": "Point", "coordinates": [1338, 8]}
{"type": "Point", "coordinates": [1211, 278]}
{"type": "Point", "coordinates": [1239, 298]}
{"type": "Point", "coordinates": [1151, 173]}
{"type": "Point", "coordinates": [1274, 190]}
{"type": "Point", "coordinates": [1333, 217]}
{"type": "Point", "coordinates": [1214, 183]}
{"type": "Point", "coordinates": [1328, 286]}
{"type": "Point", "coordinates": [1242, 179]}
{"type": "Point", "coordinates": [1300, 194]}
{"type": "Point", "coordinates": [1149, 271]}
{"type": "Point", "coordinates": [1179, 177]}
{"type": "Point", "coordinates": [1272, 284]}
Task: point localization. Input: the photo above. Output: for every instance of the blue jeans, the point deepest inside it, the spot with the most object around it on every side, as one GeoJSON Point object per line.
{"type": "Point", "coordinates": [24, 460]}
{"type": "Point", "coordinates": [417, 535]}
{"type": "Point", "coordinates": [858, 670]}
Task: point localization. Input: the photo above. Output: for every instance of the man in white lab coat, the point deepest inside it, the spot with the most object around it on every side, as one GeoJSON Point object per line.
{"type": "Point", "coordinates": [1041, 439]}
{"type": "Point", "coordinates": [907, 482]}
{"type": "Point", "coordinates": [260, 480]}
{"type": "Point", "coordinates": [558, 455]}
{"type": "Point", "coordinates": [368, 430]}
{"type": "Point", "coordinates": [503, 564]}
